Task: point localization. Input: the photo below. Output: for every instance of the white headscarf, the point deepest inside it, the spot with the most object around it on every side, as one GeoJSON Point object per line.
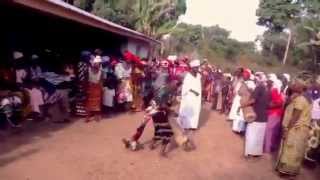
{"type": "Point", "coordinates": [250, 84]}
{"type": "Point", "coordinates": [275, 81]}
{"type": "Point", "coordinates": [195, 63]}
{"type": "Point", "coordinates": [287, 76]}
{"type": "Point", "coordinates": [17, 55]}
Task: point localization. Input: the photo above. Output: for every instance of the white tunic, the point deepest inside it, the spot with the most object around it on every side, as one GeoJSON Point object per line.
{"type": "Point", "coordinates": [190, 106]}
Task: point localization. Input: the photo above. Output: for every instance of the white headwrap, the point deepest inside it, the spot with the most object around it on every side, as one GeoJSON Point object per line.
{"type": "Point", "coordinates": [250, 84]}
{"type": "Point", "coordinates": [172, 58]}
{"type": "Point", "coordinates": [287, 76]}
{"type": "Point", "coordinates": [276, 82]}
{"type": "Point", "coordinates": [195, 63]}
{"type": "Point", "coordinates": [17, 55]}
{"type": "Point", "coordinates": [34, 56]}
{"type": "Point", "coordinates": [261, 77]}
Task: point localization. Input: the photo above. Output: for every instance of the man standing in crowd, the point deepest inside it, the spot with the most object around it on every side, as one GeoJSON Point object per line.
{"type": "Point", "coordinates": [191, 98]}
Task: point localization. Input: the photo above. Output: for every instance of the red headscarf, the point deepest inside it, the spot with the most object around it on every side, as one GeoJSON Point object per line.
{"type": "Point", "coordinates": [130, 57]}
{"type": "Point", "coordinates": [246, 74]}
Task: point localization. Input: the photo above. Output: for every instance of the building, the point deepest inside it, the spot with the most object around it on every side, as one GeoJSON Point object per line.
{"type": "Point", "coordinates": [33, 24]}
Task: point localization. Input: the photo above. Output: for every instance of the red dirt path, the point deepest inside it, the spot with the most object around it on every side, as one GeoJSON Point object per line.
{"type": "Point", "coordinates": [93, 151]}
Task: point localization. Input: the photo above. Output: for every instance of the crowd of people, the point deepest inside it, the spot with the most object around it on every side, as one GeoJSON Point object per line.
{"type": "Point", "coordinates": [275, 113]}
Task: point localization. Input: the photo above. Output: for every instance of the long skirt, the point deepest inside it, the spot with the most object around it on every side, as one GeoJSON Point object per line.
{"type": "Point", "coordinates": [94, 101]}
{"type": "Point", "coordinates": [239, 124]}
{"type": "Point", "coordinates": [137, 100]}
{"type": "Point", "coordinates": [313, 150]}
{"type": "Point", "coordinates": [219, 101]}
{"type": "Point", "coordinates": [292, 150]}
{"type": "Point", "coordinates": [234, 108]}
{"type": "Point", "coordinates": [124, 92]}
{"type": "Point", "coordinates": [254, 138]}
{"type": "Point", "coordinates": [273, 134]}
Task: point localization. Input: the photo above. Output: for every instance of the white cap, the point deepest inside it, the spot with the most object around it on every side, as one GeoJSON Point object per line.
{"type": "Point", "coordinates": [17, 55]}
{"type": "Point", "coordinates": [195, 63]}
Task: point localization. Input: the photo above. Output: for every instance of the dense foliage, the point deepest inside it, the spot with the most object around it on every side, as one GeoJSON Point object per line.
{"type": "Point", "coordinates": [152, 17]}
{"type": "Point", "coordinates": [159, 17]}
{"type": "Point", "coordinates": [300, 18]}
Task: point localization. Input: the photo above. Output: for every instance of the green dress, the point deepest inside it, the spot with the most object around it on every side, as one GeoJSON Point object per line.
{"type": "Point", "coordinates": [294, 140]}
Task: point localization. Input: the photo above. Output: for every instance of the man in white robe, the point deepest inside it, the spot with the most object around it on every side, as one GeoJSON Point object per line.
{"type": "Point", "coordinates": [190, 106]}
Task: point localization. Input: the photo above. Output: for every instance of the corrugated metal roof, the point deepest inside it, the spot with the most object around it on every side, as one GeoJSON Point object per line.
{"type": "Point", "coordinates": [68, 11]}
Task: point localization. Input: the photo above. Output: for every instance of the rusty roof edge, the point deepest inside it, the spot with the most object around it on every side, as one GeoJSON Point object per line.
{"type": "Point", "coordinates": [125, 31]}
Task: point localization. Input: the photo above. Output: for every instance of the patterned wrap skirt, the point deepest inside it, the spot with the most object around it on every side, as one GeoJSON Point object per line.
{"type": "Point", "coordinates": [94, 97]}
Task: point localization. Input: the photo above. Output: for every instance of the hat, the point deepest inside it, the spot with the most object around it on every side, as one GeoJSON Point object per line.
{"type": "Point", "coordinates": [195, 63]}
{"type": "Point", "coordinates": [17, 55]}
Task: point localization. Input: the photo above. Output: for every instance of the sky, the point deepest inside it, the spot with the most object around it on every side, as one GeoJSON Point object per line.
{"type": "Point", "coordinates": [237, 16]}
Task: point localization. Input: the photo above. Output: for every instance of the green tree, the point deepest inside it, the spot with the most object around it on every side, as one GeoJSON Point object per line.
{"type": "Point", "coordinates": [152, 17]}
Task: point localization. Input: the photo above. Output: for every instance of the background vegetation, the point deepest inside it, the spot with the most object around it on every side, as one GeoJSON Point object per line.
{"type": "Point", "coordinates": [292, 28]}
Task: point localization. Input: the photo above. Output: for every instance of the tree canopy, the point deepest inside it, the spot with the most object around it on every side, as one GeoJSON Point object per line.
{"type": "Point", "coordinates": [152, 17]}
{"type": "Point", "coordinates": [301, 18]}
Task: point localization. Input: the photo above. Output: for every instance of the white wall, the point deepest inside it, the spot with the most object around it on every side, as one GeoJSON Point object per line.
{"type": "Point", "coordinates": [138, 48]}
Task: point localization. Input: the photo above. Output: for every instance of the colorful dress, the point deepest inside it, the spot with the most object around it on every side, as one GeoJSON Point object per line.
{"type": "Point", "coordinates": [294, 140]}
{"type": "Point", "coordinates": [273, 130]}
{"type": "Point", "coordinates": [124, 91]}
{"type": "Point", "coordinates": [136, 80]}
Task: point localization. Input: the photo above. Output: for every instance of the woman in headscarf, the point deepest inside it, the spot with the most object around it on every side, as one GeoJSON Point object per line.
{"type": "Point", "coordinates": [136, 83]}
{"type": "Point", "coordinates": [296, 127]}
{"type": "Point", "coordinates": [123, 72]}
{"type": "Point", "coordinates": [207, 79]}
{"type": "Point", "coordinates": [242, 91]}
{"type": "Point", "coordinates": [94, 89]}
{"type": "Point", "coordinates": [255, 132]}
{"type": "Point", "coordinates": [273, 130]}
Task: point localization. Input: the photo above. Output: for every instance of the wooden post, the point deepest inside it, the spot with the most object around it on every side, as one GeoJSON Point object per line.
{"type": "Point", "coordinates": [287, 48]}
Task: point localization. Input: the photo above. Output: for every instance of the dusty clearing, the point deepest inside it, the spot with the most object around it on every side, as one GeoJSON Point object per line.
{"type": "Point", "coordinates": [93, 151]}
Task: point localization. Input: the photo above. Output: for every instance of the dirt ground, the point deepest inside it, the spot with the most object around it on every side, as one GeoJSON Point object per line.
{"type": "Point", "coordinates": [93, 151]}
